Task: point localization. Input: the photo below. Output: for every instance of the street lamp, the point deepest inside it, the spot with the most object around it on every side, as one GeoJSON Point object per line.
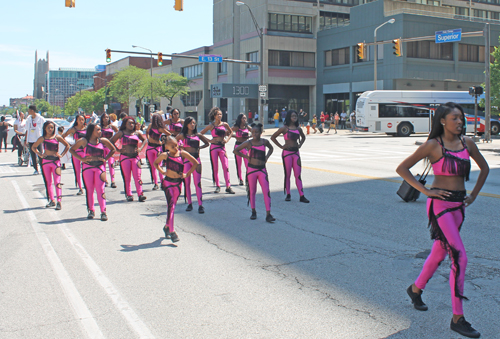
{"type": "Point", "coordinates": [261, 56]}
{"type": "Point", "coordinates": [105, 91]}
{"type": "Point", "coordinates": [147, 49]}
{"type": "Point", "coordinates": [390, 21]}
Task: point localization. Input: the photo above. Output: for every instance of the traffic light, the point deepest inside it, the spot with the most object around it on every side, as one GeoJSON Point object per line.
{"type": "Point", "coordinates": [160, 59]}
{"type": "Point", "coordinates": [179, 5]}
{"type": "Point", "coordinates": [361, 51]}
{"type": "Point", "coordinates": [70, 3]}
{"type": "Point", "coordinates": [108, 55]}
{"type": "Point", "coordinates": [476, 90]}
{"type": "Point", "coordinates": [397, 47]}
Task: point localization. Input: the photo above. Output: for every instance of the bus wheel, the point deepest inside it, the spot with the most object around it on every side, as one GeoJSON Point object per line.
{"type": "Point", "coordinates": [404, 129]}
{"type": "Point", "coordinates": [495, 128]}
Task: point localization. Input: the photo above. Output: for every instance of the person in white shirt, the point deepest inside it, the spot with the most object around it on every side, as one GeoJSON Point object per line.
{"type": "Point", "coordinates": [352, 117]}
{"type": "Point", "coordinates": [34, 128]}
{"type": "Point", "coordinates": [343, 117]}
{"type": "Point", "coordinates": [20, 130]}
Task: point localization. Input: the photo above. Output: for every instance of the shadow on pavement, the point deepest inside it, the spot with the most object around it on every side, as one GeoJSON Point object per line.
{"type": "Point", "coordinates": [156, 243]}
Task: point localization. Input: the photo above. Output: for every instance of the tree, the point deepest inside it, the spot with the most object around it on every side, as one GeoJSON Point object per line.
{"type": "Point", "coordinates": [171, 85]}
{"type": "Point", "coordinates": [494, 82]}
{"type": "Point", "coordinates": [42, 105]}
{"type": "Point", "coordinates": [129, 82]}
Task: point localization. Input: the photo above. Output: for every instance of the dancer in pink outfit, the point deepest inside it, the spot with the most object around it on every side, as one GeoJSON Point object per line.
{"type": "Point", "coordinates": [172, 179]}
{"type": "Point", "coordinates": [242, 134]}
{"type": "Point", "coordinates": [78, 132]}
{"type": "Point", "coordinates": [107, 131]}
{"type": "Point", "coordinates": [154, 132]}
{"type": "Point", "coordinates": [97, 152]}
{"type": "Point", "coordinates": [449, 152]}
{"type": "Point", "coordinates": [130, 163]}
{"type": "Point", "coordinates": [257, 158]}
{"type": "Point", "coordinates": [50, 161]}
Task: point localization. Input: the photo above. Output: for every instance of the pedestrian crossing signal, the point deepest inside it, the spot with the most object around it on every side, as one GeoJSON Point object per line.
{"type": "Point", "coordinates": [361, 51]}
{"type": "Point", "coordinates": [160, 59]}
{"type": "Point", "coordinates": [108, 55]}
{"type": "Point", "coordinates": [69, 3]}
{"type": "Point", "coordinates": [397, 47]}
{"type": "Point", "coordinates": [179, 4]}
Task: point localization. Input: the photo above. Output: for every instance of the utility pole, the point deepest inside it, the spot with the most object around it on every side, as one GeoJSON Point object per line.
{"type": "Point", "coordinates": [487, 107]}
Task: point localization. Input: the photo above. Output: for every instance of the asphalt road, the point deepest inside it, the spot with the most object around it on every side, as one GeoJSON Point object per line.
{"type": "Point", "coordinates": [335, 268]}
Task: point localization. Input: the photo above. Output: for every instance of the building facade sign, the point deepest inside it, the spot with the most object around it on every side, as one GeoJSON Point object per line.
{"type": "Point", "coordinates": [234, 91]}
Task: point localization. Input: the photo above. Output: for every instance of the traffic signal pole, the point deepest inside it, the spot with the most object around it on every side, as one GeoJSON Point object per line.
{"type": "Point", "coordinates": [487, 107]}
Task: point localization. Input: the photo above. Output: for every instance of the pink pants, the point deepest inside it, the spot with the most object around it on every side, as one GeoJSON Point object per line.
{"type": "Point", "coordinates": [446, 218]}
{"type": "Point", "coordinates": [94, 178]}
{"type": "Point", "coordinates": [254, 175]}
{"type": "Point", "coordinates": [238, 161]}
{"type": "Point", "coordinates": [131, 165]}
{"type": "Point", "coordinates": [51, 168]}
{"type": "Point", "coordinates": [197, 182]}
{"type": "Point", "coordinates": [172, 189]}
{"type": "Point", "coordinates": [110, 163]}
{"type": "Point", "coordinates": [77, 168]}
{"type": "Point", "coordinates": [151, 154]}
{"type": "Point", "coordinates": [219, 151]}
{"type": "Point", "coordinates": [291, 160]}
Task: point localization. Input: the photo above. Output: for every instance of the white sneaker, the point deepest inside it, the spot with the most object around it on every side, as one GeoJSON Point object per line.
{"type": "Point", "coordinates": [35, 173]}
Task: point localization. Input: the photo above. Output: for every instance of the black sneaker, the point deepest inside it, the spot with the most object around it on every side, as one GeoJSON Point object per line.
{"type": "Point", "coordinates": [201, 209]}
{"type": "Point", "coordinates": [58, 206]}
{"type": "Point", "coordinates": [104, 217]}
{"type": "Point", "coordinates": [166, 230]}
{"type": "Point", "coordinates": [80, 192]}
{"type": "Point", "coordinates": [189, 208]}
{"type": "Point", "coordinates": [464, 328]}
{"type": "Point", "coordinates": [130, 198]}
{"type": "Point", "coordinates": [51, 204]}
{"type": "Point", "coordinates": [155, 187]}
{"type": "Point", "coordinates": [254, 215]}
{"type": "Point", "coordinates": [241, 182]}
{"type": "Point", "coordinates": [174, 237]}
{"type": "Point", "coordinates": [288, 197]}
{"type": "Point", "coordinates": [416, 299]}
{"type": "Point", "coordinates": [91, 215]}
{"type": "Point", "coordinates": [304, 199]}
{"type": "Point", "coordinates": [229, 190]}
{"type": "Point", "coordinates": [270, 218]}
{"type": "Point", "coordinates": [142, 198]}
{"type": "Point", "coordinates": [113, 185]}
{"type": "Point", "coordinates": [217, 189]}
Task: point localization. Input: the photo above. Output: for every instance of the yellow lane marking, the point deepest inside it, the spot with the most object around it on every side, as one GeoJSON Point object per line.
{"type": "Point", "coordinates": [490, 195]}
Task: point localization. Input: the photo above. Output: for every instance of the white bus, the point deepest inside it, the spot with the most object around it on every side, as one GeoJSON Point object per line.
{"type": "Point", "coordinates": [401, 113]}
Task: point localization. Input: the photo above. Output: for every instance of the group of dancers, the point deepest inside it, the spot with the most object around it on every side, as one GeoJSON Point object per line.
{"type": "Point", "coordinates": [173, 153]}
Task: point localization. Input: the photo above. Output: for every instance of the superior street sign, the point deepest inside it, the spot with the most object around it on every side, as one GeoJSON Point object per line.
{"type": "Point", "coordinates": [209, 58]}
{"type": "Point", "coordinates": [450, 35]}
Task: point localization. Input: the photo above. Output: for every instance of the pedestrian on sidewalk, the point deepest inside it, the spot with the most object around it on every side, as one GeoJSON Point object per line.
{"type": "Point", "coordinates": [352, 118]}
{"type": "Point", "coordinates": [276, 119]}
{"type": "Point", "coordinates": [283, 115]}
{"type": "Point", "coordinates": [449, 153]}
{"type": "Point", "coordinates": [34, 126]}
{"type": "Point", "coordinates": [343, 118]}
{"type": "Point", "coordinates": [322, 119]}
{"type": "Point", "coordinates": [4, 128]}
{"type": "Point", "coordinates": [314, 123]}
{"type": "Point", "coordinates": [336, 118]}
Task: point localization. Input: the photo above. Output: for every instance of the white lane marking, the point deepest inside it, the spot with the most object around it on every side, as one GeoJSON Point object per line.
{"type": "Point", "coordinates": [81, 310]}
{"type": "Point", "coordinates": [121, 304]}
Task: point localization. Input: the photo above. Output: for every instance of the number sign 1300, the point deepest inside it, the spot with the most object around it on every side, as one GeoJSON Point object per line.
{"type": "Point", "coordinates": [241, 90]}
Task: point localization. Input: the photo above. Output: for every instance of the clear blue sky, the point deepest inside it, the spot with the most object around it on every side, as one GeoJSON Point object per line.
{"type": "Point", "coordinates": [77, 37]}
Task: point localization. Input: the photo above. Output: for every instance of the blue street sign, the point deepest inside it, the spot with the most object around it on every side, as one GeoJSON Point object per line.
{"type": "Point", "coordinates": [209, 58]}
{"type": "Point", "coordinates": [450, 35]}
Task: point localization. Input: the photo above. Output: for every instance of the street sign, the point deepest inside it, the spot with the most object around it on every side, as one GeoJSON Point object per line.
{"type": "Point", "coordinates": [151, 108]}
{"type": "Point", "coordinates": [262, 94]}
{"type": "Point", "coordinates": [209, 58]}
{"type": "Point", "coordinates": [262, 88]}
{"type": "Point", "coordinates": [234, 91]}
{"type": "Point", "coordinates": [450, 35]}
{"type": "Point", "coordinates": [105, 106]}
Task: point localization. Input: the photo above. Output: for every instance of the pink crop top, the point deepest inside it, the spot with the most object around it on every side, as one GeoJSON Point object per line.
{"type": "Point", "coordinates": [130, 140]}
{"type": "Point", "coordinates": [242, 133]}
{"type": "Point", "coordinates": [219, 131]}
{"type": "Point", "coordinates": [258, 152]}
{"type": "Point", "coordinates": [453, 163]}
{"type": "Point", "coordinates": [107, 133]}
{"type": "Point", "coordinates": [79, 134]}
{"type": "Point", "coordinates": [175, 164]}
{"type": "Point", "coordinates": [51, 145]}
{"type": "Point", "coordinates": [292, 134]}
{"type": "Point", "coordinates": [192, 141]}
{"type": "Point", "coordinates": [94, 151]}
{"type": "Point", "coordinates": [154, 134]}
{"type": "Point", "coordinates": [175, 127]}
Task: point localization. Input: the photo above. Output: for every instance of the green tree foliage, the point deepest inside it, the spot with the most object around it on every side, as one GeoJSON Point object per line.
{"type": "Point", "coordinates": [494, 82]}
{"type": "Point", "coordinates": [171, 85]}
{"type": "Point", "coordinates": [129, 82]}
{"type": "Point", "coordinates": [88, 101]}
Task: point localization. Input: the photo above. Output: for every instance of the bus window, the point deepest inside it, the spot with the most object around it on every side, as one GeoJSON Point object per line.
{"type": "Point", "coordinates": [401, 111]}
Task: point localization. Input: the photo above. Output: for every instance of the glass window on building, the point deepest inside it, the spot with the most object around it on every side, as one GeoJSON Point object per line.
{"type": "Point", "coordinates": [291, 59]}
{"type": "Point", "coordinates": [333, 19]}
{"type": "Point", "coordinates": [429, 50]}
{"type": "Point", "coordinates": [192, 98]}
{"type": "Point", "coordinates": [473, 53]}
{"type": "Point", "coordinates": [337, 103]}
{"type": "Point", "coordinates": [190, 72]}
{"type": "Point", "coordinates": [336, 57]}
{"type": "Point", "coordinates": [290, 23]}
{"type": "Point", "coordinates": [222, 67]}
{"type": "Point", "coordinates": [254, 57]}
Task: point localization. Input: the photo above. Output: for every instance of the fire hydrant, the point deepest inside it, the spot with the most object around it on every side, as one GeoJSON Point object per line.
{"type": "Point", "coordinates": [308, 129]}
